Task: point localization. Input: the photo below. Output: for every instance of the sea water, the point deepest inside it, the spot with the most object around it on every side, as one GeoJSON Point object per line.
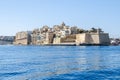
{"type": "Point", "coordinates": [59, 62]}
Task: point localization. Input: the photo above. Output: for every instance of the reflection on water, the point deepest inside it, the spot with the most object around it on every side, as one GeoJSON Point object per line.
{"type": "Point", "coordinates": [59, 62]}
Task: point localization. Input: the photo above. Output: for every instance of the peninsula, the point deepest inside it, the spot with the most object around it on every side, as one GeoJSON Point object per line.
{"type": "Point", "coordinates": [62, 35]}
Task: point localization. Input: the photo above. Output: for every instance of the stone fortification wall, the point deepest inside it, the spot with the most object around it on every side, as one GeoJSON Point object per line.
{"type": "Point", "coordinates": [92, 38]}
{"type": "Point", "coordinates": [80, 38]}
{"type": "Point", "coordinates": [23, 38]}
{"type": "Point", "coordinates": [104, 38]}
{"type": "Point", "coordinates": [67, 39]}
{"type": "Point", "coordinates": [21, 42]}
{"type": "Point", "coordinates": [56, 40]}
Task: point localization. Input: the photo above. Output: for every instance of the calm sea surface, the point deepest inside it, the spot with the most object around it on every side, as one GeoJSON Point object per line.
{"type": "Point", "coordinates": [59, 63]}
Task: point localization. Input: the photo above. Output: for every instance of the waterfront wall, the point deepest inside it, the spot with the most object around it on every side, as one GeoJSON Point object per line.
{"type": "Point", "coordinates": [104, 38]}
{"type": "Point", "coordinates": [92, 38]}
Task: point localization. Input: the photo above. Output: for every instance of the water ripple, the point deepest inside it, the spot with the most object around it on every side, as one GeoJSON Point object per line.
{"type": "Point", "coordinates": [59, 62]}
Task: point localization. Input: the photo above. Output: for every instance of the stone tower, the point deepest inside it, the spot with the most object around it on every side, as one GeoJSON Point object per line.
{"type": "Point", "coordinates": [63, 24]}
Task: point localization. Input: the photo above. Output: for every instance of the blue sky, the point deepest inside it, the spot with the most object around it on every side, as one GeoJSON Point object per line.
{"type": "Point", "coordinates": [23, 15]}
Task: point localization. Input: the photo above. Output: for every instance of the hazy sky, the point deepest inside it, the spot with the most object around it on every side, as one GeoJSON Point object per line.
{"type": "Point", "coordinates": [23, 15]}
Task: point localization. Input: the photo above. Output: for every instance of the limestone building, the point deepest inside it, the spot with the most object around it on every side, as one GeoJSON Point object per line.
{"type": "Point", "coordinates": [74, 30]}
{"type": "Point", "coordinates": [42, 36]}
{"type": "Point", "coordinates": [23, 38]}
{"type": "Point", "coordinates": [36, 37]}
{"type": "Point", "coordinates": [49, 38]}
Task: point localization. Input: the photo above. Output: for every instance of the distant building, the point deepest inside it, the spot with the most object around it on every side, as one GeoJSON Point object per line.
{"type": "Point", "coordinates": [62, 30]}
{"type": "Point", "coordinates": [74, 30]}
{"type": "Point", "coordinates": [23, 38]}
{"type": "Point", "coordinates": [6, 40]}
{"type": "Point", "coordinates": [42, 36]}
{"type": "Point", "coordinates": [115, 41]}
{"type": "Point", "coordinates": [64, 33]}
{"type": "Point", "coordinates": [49, 38]}
{"type": "Point", "coordinates": [36, 37]}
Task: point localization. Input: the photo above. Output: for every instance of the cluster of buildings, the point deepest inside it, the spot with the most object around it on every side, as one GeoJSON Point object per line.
{"type": "Point", "coordinates": [115, 41]}
{"type": "Point", "coordinates": [4, 40]}
{"type": "Point", "coordinates": [62, 35]}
